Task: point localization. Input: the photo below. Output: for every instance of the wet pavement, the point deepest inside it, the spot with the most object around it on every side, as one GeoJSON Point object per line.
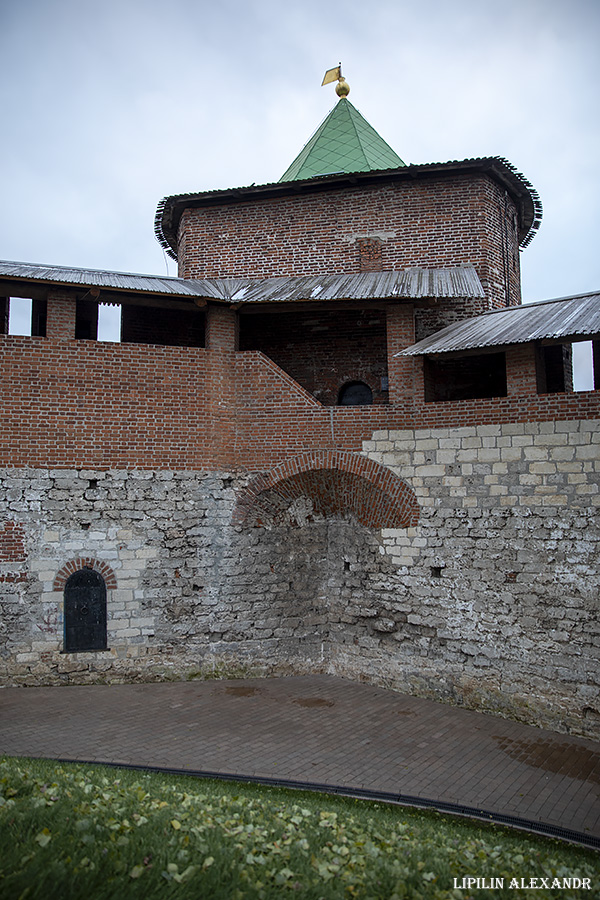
{"type": "Point", "coordinates": [318, 730]}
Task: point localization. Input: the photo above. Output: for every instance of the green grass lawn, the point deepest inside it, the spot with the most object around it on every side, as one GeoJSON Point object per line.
{"type": "Point", "coordinates": [70, 832]}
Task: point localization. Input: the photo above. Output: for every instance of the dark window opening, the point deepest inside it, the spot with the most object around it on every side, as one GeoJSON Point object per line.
{"type": "Point", "coordinates": [85, 612]}
{"type": "Point", "coordinates": [4, 308]}
{"type": "Point", "coordinates": [355, 393]}
{"type": "Point", "coordinates": [39, 316]}
{"type": "Point", "coordinates": [465, 378]}
{"type": "Point", "coordinates": [86, 320]}
{"type": "Point", "coordinates": [167, 327]}
{"type": "Point", "coordinates": [554, 369]}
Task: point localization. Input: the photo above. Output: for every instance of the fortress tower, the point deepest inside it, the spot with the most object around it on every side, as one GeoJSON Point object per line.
{"type": "Point", "coordinates": [336, 442]}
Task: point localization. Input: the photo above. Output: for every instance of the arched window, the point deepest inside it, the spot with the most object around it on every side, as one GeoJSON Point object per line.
{"type": "Point", "coordinates": [85, 611]}
{"type": "Point", "coordinates": [355, 393]}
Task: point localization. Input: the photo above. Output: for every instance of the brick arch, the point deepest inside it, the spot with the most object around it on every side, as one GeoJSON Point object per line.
{"type": "Point", "coordinates": [337, 482]}
{"type": "Point", "coordinates": [85, 562]}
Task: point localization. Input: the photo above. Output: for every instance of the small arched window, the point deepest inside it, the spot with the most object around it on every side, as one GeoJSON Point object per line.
{"type": "Point", "coordinates": [85, 611]}
{"type": "Point", "coordinates": [355, 393]}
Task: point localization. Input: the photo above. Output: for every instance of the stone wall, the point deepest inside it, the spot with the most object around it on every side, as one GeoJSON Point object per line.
{"type": "Point", "coordinates": [192, 593]}
{"type": "Point", "coordinates": [490, 600]}
{"type": "Point", "coordinates": [496, 600]}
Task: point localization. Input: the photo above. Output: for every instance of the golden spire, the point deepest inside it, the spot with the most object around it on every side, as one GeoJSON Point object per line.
{"type": "Point", "coordinates": [342, 87]}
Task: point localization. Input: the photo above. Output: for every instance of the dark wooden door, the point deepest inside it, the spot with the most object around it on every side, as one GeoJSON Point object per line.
{"type": "Point", "coordinates": [85, 612]}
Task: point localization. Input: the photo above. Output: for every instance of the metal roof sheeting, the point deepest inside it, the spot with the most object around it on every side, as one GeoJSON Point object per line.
{"type": "Point", "coordinates": [97, 278]}
{"type": "Point", "coordinates": [458, 282]}
{"type": "Point", "coordinates": [567, 317]}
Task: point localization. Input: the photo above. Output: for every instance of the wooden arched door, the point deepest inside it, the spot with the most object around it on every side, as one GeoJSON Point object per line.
{"type": "Point", "coordinates": [85, 612]}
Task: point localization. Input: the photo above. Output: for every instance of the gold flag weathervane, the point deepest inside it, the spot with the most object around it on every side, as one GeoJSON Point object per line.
{"type": "Point", "coordinates": [342, 88]}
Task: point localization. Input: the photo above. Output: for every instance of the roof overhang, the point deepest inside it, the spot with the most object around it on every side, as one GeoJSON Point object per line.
{"type": "Point", "coordinates": [29, 280]}
{"type": "Point", "coordinates": [565, 319]}
{"type": "Point", "coordinates": [524, 196]}
{"type": "Point", "coordinates": [37, 282]}
{"type": "Point", "coordinates": [411, 284]}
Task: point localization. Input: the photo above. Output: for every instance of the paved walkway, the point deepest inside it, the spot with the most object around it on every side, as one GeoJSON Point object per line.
{"type": "Point", "coordinates": [316, 729]}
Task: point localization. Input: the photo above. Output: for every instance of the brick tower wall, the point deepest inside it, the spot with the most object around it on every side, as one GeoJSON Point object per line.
{"type": "Point", "coordinates": [436, 222]}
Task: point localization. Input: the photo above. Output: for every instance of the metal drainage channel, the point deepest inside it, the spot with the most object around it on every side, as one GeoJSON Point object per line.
{"type": "Point", "coordinates": [456, 809]}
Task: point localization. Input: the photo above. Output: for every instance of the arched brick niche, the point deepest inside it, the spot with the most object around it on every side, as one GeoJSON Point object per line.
{"type": "Point", "coordinates": [85, 562]}
{"type": "Point", "coordinates": [327, 483]}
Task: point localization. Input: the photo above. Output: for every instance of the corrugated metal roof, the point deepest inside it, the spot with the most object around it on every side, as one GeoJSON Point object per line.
{"type": "Point", "coordinates": [461, 281]}
{"type": "Point", "coordinates": [458, 282]}
{"type": "Point", "coordinates": [97, 278]}
{"type": "Point", "coordinates": [566, 317]}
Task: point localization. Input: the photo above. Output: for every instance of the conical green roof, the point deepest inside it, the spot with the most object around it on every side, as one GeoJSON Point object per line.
{"type": "Point", "coordinates": [344, 142]}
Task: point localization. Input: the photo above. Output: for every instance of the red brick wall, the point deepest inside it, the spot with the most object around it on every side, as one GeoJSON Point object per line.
{"type": "Point", "coordinates": [61, 317]}
{"type": "Point", "coordinates": [221, 328]}
{"type": "Point", "coordinates": [82, 403]}
{"type": "Point", "coordinates": [323, 351]}
{"type": "Point", "coordinates": [275, 423]}
{"type": "Point", "coordinates": [369, 254]}
{"type": "Point", "coordinates": [451, 221]}
{"type": "Point", "coordinates": [12, 551]}
{"type": "Point", "coordinates": [402, 370]}
{"type": "Point", "coordinates": [71, 403]}
{"type": "Point", "coordinates": [218, 391]}
{"type": "Point", "coordinates": [12, 546]}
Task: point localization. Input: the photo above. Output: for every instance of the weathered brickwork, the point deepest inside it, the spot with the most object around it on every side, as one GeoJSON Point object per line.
{"type": "Point", "coordinates": [12, 552]}
{"type": "Point", "coordinates": [370, 257]}
{"type": "Point", "coordinates": [489, 599]}
{"type": "Point", "coordinates": [85, 403]}
{"type": "Point", "coordinates": [12, 548]}
{"type": "Point", "coordinates": [323, 351]}
{"type": "Point", "coordinates": [236, 519]}
{"type": "Point", "coordinates": [431, 222]}
{"type": "Point", "coordinates": [335, 483]}
{"type": "Point", "coordinates": [88, 404]}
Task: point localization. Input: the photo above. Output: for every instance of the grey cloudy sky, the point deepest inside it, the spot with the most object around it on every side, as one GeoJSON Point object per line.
{"type": "Point", "coordinates": [109, 106]}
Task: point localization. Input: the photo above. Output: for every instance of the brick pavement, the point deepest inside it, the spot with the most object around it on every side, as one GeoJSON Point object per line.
{"type": "Point", "coordinates": [318, 729]}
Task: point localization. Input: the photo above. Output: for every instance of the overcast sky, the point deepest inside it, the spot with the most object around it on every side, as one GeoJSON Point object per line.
{"type": "Point", "coordinates": [110, 105]}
